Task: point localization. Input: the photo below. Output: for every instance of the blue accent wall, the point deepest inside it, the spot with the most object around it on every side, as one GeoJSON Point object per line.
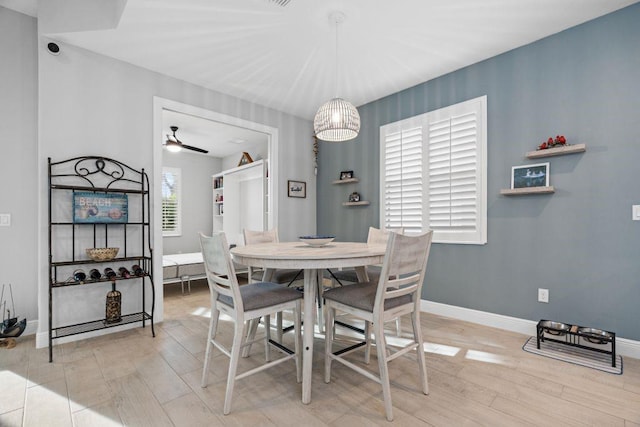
{"type": "Point", "coordinates": [579, 242]}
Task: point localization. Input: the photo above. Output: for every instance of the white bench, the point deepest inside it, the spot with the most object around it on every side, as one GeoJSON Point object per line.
{"type": "Point", "coordinates": [181, 268]}
{"type": "Point", "coordinates": [184, 267]}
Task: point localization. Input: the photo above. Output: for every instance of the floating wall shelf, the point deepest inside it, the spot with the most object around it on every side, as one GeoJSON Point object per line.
{"type": "Point", "coordinates": [363, 203]}
{"type": "Point", "coordinates": [557, 151]}
{"type": "Point", "coordinates": [346, 181]}
{"type": "Point", "coordinates": [527, 190]}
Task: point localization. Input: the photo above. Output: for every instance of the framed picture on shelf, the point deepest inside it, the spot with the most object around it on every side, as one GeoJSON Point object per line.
{"type": "Point", "coordinates": [527, 176]}
{"type": "Point", "coordinates": [346, 175]}
{"type": "Point", "coordinates": [297, 189]}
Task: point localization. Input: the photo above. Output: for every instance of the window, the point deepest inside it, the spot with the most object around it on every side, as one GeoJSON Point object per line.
{"type": "Point", "coordinates": [434, 173]}
{"type": "Point", "coordinates": [171, 202]}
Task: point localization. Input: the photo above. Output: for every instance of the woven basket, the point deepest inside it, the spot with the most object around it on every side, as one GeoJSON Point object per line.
{"type": "Point", "coordinates": [102, 254]}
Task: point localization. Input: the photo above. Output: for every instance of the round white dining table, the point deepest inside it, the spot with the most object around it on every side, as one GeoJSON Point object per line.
{"type": "Point", "coordinates": [313, 260]}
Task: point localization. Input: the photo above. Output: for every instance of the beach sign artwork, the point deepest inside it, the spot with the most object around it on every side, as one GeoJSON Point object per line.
{"type": "Point", "coordinates": [99, 208]}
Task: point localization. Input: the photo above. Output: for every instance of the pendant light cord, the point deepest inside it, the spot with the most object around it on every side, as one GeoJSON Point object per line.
{"type": "Point", "coordinates": [338, 18]}
{"type": "Point", "coordinates": [337, 85]}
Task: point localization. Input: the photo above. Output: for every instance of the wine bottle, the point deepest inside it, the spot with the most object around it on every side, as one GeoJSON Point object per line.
{"type": "Point", "coordinates": [79, 276]}
{"type": "Point", "coordinates": [113, 313]}
{"type": "Point", "coordinates": [95, 274]}
{"type": "Point", "coordinates": [137, 270]}
{"type": "Point", "coordinates": [109, 273]}
{"type": "Point", "coordinates": [124, 273]}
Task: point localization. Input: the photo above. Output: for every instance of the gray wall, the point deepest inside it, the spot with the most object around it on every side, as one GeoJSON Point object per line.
{"type": "Point", "coordinates": [18, 166]}
{"type": "Point", "coordinates": [197, 199]}
{"type": "Point", "coordinates": [580, 242]}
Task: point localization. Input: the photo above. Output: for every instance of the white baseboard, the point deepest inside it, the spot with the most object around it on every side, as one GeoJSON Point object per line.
{"type": "Point", "coordinates": [32, 327]}
{"type": "Point", "coordinates": [625, 347]}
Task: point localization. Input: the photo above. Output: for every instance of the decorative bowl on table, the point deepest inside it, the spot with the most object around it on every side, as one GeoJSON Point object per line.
{"type": "Point", "coordinates": [317, 240]}
{"type": "Point", "coordinates": [102, 254]}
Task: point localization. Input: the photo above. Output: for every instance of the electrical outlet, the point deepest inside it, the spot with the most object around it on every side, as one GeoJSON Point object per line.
{"type": "Point", "coordinates": [543, 295]}
{"type": "Point", "coordinates": [5, 220]}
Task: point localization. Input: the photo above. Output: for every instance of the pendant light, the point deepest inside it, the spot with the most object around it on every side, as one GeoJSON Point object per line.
{"type": "Point", "coordinates": [337, 120]}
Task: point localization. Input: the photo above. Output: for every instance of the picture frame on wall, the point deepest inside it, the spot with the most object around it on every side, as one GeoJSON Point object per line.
{"type": "Point", "coordinates": [297, 189]}
{"type": "Point", "coordinates": [528, 176]}
{"type": "Point", "coordinates": [346, 175]}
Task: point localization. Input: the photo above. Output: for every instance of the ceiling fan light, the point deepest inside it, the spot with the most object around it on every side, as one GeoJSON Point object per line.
{"type": "Point", "coordinates": [337, 120]}
{"type": "Point", "coordinates": [173, 146]}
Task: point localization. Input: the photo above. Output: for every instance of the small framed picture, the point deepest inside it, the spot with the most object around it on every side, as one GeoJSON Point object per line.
{"type": "Point", "coordinates": [346, 175]}
{"type": "Point", "coordinates": [297, 189]}
{"type": "Point", "coordinates": [526, 176]}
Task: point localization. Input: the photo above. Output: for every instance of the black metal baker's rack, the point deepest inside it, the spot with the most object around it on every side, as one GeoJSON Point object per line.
{"type": "Point", "coordinates": [577, 336]}
{"type": "Point", "coordinates": [99, 175]}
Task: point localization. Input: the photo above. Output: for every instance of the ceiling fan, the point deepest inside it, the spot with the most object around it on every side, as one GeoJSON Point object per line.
{"type": "Point", "coordinates": [174, 145]}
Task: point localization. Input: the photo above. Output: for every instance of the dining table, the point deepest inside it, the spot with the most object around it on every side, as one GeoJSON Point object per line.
{"type": "Point", "coordinates": [313, 260]}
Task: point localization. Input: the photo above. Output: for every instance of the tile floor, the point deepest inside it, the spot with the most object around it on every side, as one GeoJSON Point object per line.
{"type": "Point", "coordinates": [477, 376]}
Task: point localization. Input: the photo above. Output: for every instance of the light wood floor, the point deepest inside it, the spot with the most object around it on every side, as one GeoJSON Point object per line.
{"type": "Point", "coordinates": [477, 376]}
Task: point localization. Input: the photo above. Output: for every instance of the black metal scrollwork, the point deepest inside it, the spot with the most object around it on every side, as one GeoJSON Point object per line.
{"type": "Point", "coordinates": [101, 165]}
{"type": "Point", "coordinates": [101, 172]}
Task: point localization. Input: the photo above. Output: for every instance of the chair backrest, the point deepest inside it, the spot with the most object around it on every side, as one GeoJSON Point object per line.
{"type": "Point", "coordinates": [252, 237]}
{"type": "Point", "coordinates": [221, 275]}
{"type": "Point", "coordinates": [404, 267]}
{"type": "Point", "coordinates": [378, 236]}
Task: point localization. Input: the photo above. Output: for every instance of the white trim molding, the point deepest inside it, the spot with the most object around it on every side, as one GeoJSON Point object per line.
{"type": "Point", "coordinates": [624, 347]}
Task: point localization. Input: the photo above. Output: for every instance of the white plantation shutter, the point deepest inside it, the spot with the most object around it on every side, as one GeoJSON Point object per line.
{"type": "Point", "coordinates": [171, 201]}
{"type": "Point", "coordinates": [402, 189]}
{"type": "Point", "coordinates": [452, 173]}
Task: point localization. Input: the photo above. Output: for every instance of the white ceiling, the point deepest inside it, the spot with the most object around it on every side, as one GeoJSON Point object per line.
{"type": "Point", "coordinates": [285, 57]}
{"type": "Point", "coordinates": [220, 139]}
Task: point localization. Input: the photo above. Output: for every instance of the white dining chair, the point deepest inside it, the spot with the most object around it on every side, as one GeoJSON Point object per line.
{"type": "Point", "coordinates": [243, 303]}
{"type": "Point", "coordinates": [349, 276]}
{"type": "Point", "coordinates": [374, 236]}
{"type": "Point", "coordinates": [283, 275]}
{"type": "Point", "coordinates": [397, 292]}
{"type": "Point", "coordinates": [280, 276]}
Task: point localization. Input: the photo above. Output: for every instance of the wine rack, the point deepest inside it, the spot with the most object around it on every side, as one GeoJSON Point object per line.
{"type": "Point", "coordinates": [70, 234]}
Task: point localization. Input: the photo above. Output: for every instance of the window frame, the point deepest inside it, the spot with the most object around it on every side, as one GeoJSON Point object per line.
{"type": "Point", "coordinates": [177, 231]}
{"type": "Point", "coordinates": [477, 106]}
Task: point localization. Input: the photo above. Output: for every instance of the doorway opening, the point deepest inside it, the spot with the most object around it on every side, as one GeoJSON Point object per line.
{"type": "Point", "coordinates": [167, 113]}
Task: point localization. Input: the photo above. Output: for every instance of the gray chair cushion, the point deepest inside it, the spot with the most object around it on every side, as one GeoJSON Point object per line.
{"type": "Point", "coordinates": [363, 296]}
{"type": "Point", "coordinates": [283, 276]}
{"type": "Point", "coordinates": [262, 294]}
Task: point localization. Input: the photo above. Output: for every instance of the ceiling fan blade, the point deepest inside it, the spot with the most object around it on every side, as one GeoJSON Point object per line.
{"type": "Point", "coordinates": [199, 150]}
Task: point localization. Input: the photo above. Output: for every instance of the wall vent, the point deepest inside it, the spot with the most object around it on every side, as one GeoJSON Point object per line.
{"type": "Point", "coordinates": [282, 3]}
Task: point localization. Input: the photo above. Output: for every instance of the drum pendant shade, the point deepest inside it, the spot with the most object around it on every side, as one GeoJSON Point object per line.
{"type": "Point", "coordinates": [337, 120]}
